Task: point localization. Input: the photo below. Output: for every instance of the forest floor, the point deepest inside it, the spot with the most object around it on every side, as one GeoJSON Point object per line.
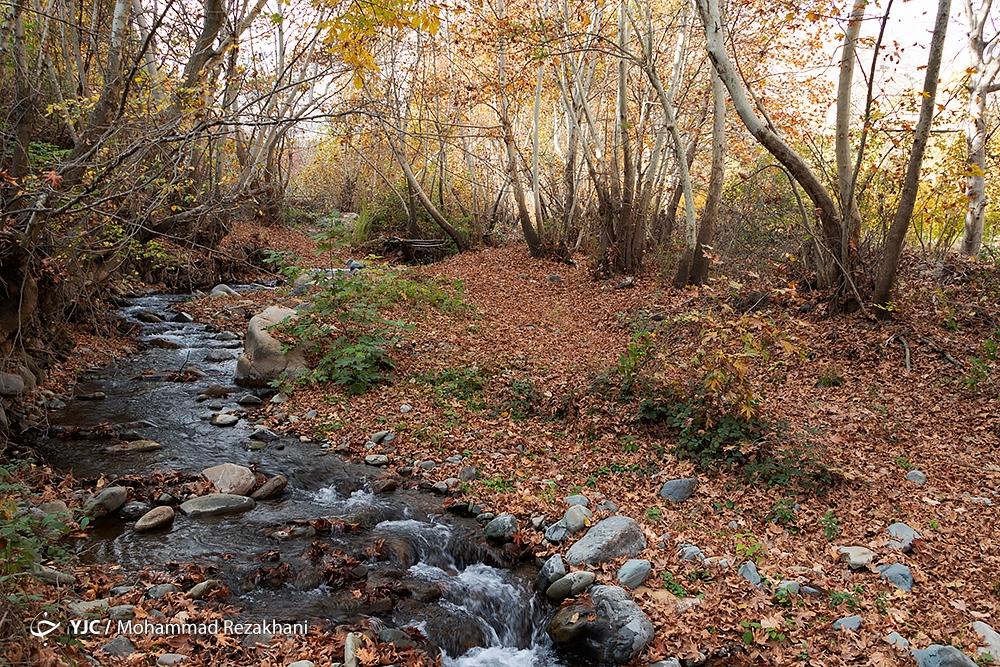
{"type": "Point", "coordinates": [518, 384]}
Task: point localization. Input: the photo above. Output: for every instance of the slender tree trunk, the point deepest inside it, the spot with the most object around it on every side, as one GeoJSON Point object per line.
{"type": "Point", "coordinates": [981, 77]}
{"type": "Point", "coordinates": [530, 234]}
{"type": "Point", "coordinates": [831, 269]}
{"type": "Point", "coordinates": [716, 180]}
{"type": "Point", "coordinates": [901, 221]}
{"type": "Point", "coordinates": [23, 102]}
{"type": "Point", "coordinates": [845, 164]}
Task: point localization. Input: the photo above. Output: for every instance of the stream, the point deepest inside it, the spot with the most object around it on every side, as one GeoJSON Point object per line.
{"type": "Point", "coordinates": [299, 556]}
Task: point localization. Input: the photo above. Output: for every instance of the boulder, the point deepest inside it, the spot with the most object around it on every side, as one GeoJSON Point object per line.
{"type": "Point", "coordinates": [230, 478]}
{"type": "Point", "coordinates": [679, 490]}
{"type": "Point", "coordinates": [898, 575]}
{"type": "Point", "coordinates": [11, 384]}
{"type": "Point", "coordinates": [850, 623]}
{"type": "Point", "coordinates": [105, 502]}
{"type": "Point", "coordinates": [611, 538]}
{"type": "Point", "coordinates": [902, 537]}
{"type": "Point", "coordinates": [569, 585]}
{"type": "Point", "coordinates": [553, 570]}
{"type": "Point", "coordinates": [158, 517]}
{"type": "Point", "coordinates": [502, 528]}
{"type": "Point", "coordinates": [989, 640]}
{"type": "Point", "coordinates": [576, 518]}
{"type": "Point", "coordinates": [634, 572]}
{"type": "Point", "coordinates": [857, 558]}
{"type": "Point", "coordinates": [263, 358]}
{"type": "Point", "coordinates": [217, 503]}
{"type": "Point", "coordinates": [937, 655]}
{"type": "Point", "coordinates": [608, 629]}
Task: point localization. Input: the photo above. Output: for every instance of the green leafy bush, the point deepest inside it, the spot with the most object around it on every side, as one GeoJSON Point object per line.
{"type": "Point", "coordinates": [346, 332]}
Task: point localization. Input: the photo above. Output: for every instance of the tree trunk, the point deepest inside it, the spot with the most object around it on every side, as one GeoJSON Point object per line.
{"type": "Point", "coordinates": [845, 165]}
{"type": "Point", "coordinates": [901, 221]}
{"type": "Point", "coordinates": [716, 180]}
{"type": "Point", "coordinates": [831, 269]}
{"type": "Point", "coordinates": [22, 107]}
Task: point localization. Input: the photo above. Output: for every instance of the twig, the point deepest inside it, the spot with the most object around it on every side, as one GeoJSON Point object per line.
{"type": "Point", "coordinates": [906, 349]}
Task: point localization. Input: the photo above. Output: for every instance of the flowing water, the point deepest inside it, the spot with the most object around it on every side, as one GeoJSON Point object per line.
{"type": "Point", "coordinates": [477, 612]}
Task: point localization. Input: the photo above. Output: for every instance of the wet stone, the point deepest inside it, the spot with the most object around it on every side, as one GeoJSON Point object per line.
{"type": "Point", "coordinates": [551, 571]}
{"type": "Point", "coordinates": [215, 504]}
{"type": "Point", "coordinates": [569, 585]}
{"type": "Point", "coordinates": [224, 419]}
{"type": "Point", "coordinates": [502, 528]}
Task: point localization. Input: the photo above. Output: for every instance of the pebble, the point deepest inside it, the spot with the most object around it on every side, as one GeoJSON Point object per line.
{"type": "Point", "coordinates": [918, 477]}
{"type": "Point", "coordinates": [405, 407]}
{"type": "Point", "coordinates": [200, 590]}
{"type": "Point", "coordinates": [577, 499]}
{"type": "Point", "coordinates": [170, 659]}
{"type": "Point", "coordinates": [903, 537]}
{"type": "Point", "coordinates": [898, 575]}
{"type": "Point", "coordinates": [896, 640]}
{"type": "Point", "coordinates": [468, 473]}
{"type": "Point", "coordinates": [248, 400]}
{"type": "Point", "coordinates": [121, 612]}
{"type": "Point", "coordinates": [377, 460]}
{"type": "Point", "coordinates": [551, 571]}
{"type": "Point", "coordinates": [557, 532]}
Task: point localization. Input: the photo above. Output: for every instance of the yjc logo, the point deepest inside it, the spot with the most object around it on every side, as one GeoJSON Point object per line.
{"type": "Point", "coordinates": [43, 627]}
{"type": "Point", "coordinates": [84, 626]}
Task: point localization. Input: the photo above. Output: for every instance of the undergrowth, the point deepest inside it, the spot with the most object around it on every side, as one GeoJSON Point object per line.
{"type": "Point", "coordinates": [346, 329]}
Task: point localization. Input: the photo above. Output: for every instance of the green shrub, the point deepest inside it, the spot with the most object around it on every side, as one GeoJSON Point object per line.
{"type": "Point", "coordinates": [346, 332]}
